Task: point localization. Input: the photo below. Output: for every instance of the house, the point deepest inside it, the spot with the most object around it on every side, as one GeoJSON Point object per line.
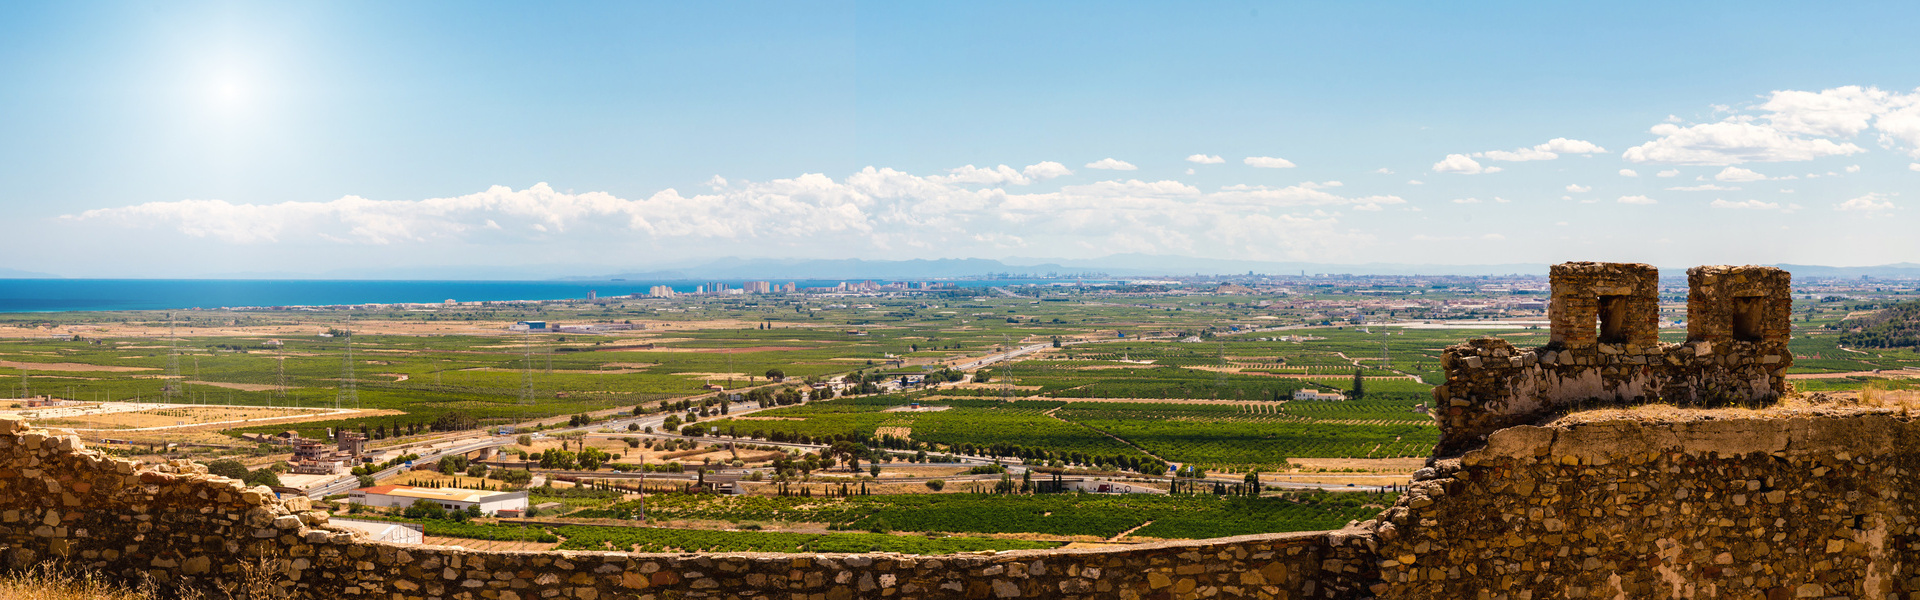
{"type": "Point", "coordinates": [529, 326]}
{"type": "Point", "coordinates": [402, 496]}
{"type": "Point", "coordinates": [1312, 394]}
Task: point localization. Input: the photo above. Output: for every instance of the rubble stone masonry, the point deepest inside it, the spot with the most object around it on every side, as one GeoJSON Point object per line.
{"type": "Point", "coordinates": [1605, 350]}
{"type": "Point", "coordinates": [178, 525]}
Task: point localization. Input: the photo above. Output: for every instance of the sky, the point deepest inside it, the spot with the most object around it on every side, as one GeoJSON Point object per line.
{"type": "Point", "coordinates": [226, 138]}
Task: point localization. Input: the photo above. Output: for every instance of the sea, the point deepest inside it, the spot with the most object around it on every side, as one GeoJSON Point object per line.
{"type": "Point", "coordinates": [57, 295]}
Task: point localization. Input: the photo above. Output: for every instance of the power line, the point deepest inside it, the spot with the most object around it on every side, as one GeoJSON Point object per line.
{"type": "Point", "coordinates": [349, 391]}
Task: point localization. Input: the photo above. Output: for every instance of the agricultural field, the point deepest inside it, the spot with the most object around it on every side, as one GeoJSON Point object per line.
{"type": "Point", "coordinates": [1098, 516]}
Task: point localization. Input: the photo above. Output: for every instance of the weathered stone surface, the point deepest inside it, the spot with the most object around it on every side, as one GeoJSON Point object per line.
{"type": "Point", "coordinates": [190, 528]}
{"type": "Point", "coordinates": [1605, 351]}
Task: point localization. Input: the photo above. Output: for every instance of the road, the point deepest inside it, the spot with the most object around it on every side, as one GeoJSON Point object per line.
{"type": "Point", "coordinates": [349, 482]}
{"type": "Point", "coordinates": [1003, 356]}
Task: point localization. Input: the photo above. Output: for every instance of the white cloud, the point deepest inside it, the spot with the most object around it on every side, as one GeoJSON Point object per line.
{"type": "Point", "coordinates": [1205, 160]}
{"type": "Point", "coordinates": [990, 176]}
{"type": "Point", "coordinates": [1738, 174]}
{"type": "Point", "coordinates": [1913, 166]}
{"type": "Point", "coordinates": [1729, 143]}
{"type": "Point", "coordinates": [864, 212]}
{"type": "Point", "coordinates": [1462, 164]}
{"type": "Point", "coordinates": [1045, 170]}
{"type": "Point", "coordinates": [1466, 200]}
{"type": "Point", "coordinates": [1501, 200]}
{"type": "Point", "coordinates": [1873, 201]}
{"type": "Point", "coordinates": [1853, 169]}
{"type": "Point", "coordinates": [1383, 171]}
{"type": "Point", "coordinates": [1745, 204]}
{"type": "Point", "coordinates": [1190, 171]}
{"type": "Point", "coordinates": [1112, 164]}
{"type": "Point", "coordinates": [1419, 182]}
{"type": "Point", "coordinates": [1493, 237]}
{"type": "Point", "coordinates": [1628, 173]}
{"type": "Point", "coordinates": [1838, 112]}
{"type": "Point", "coordinates": [1637, 200]}
{"type": "Point", "coordinates": [1668, 173]}
{"type": "Point", "coordinates": [1268, 162]}
{"type": "Point", "coordinates": [1579, 189]}
{"type": "Point", "coordinates": [972, 174]}
{"type": "Point", "coordinates": [1702, 188]}
{"type": "Point", "coordinates": [1791, 125]}
{"type": "Point", "coordinates": [1547, 151]}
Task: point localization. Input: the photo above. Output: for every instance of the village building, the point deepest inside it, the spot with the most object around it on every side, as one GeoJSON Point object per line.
{"type": "Point", "coordinates": [402, 496]}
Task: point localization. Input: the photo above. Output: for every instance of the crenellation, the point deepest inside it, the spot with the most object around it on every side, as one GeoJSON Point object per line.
{"type": "Point", "coordinates": [1605, 350]}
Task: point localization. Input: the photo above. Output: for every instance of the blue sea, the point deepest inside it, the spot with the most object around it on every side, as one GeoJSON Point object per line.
{"type": "Point", "coordinates": [51, 295]}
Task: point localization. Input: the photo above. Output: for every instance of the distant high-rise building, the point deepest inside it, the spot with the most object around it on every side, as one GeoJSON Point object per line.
{"type": "Point", "coordinates": [592, 295]}
{"type": "Point", "coordinates": [660, 291]}
{"type": "Point", "coordinates": [757, 287]}
{"type": "Point", "coordinates": [716, 287]}
{"type": "Point", "coordinates": [790, 288]}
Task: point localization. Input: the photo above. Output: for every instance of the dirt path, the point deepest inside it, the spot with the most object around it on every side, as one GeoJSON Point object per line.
{"type": "Point", "coordinates": [1115, 437]}
{"type": "Point", "coordinates": [29, 366]}
{"type": "Point", "coordinates": [1128, 532]}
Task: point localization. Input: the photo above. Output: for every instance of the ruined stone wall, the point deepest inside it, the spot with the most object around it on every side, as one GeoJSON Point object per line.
{"type": "Point", "coordinates": [1818, 506]}
{"type": "Point", "coordinates": [1702, 505]}
{"type": "Point", "coordinates": [177, 524]}
{"type": "Point", "coordinates": [1605, 350]}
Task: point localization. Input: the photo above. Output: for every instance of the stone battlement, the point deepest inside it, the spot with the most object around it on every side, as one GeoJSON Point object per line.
{"type": "Point", "coordinates": [1605, 349]}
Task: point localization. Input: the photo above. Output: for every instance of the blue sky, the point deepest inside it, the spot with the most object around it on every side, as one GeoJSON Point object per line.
{"type": "Point", "coordinates": [193, 139]}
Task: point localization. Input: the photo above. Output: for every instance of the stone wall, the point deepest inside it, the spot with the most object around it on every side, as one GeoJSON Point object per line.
{"type": "Point", "coordinates": [1605, 350]}
{"type": "Point", "coordinates": [1785, 506]}
{"type": "Point", "coordinates": [181, 526]}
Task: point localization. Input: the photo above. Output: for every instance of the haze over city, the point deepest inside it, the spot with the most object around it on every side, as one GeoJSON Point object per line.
{"type": "Point", "coordinates": [496, 140]}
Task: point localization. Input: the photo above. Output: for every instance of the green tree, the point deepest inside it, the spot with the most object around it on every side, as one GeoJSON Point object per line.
{"type": "Point", "coordinates": [1359, 386]}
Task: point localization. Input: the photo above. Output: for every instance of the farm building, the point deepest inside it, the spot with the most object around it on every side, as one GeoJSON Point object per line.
{"type": "Point", "coordinates": [1312, 394]}
{"type": "Point", "coordinates": [402, 496]}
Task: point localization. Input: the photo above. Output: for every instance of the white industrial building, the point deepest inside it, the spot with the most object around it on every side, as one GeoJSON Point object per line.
{"type": "Point", "coordinates": [402, 496]}
{"type": "Point", "coordinates": [382, 531]}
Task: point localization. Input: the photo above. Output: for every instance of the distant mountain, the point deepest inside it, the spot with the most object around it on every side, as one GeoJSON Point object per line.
{"type": "Point", "coordinates": [1117, 266]}
{"type": "Point", "coordinates": [1154, 264]}
{"type": "Point", "coordinates": [1903, 270]}
{"type": "Point", "coordinates": [852, 268]}
{"type": "Point", "coordinates": [19, 274]}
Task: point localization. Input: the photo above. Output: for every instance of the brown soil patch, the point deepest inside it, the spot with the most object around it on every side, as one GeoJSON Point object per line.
{"type": "Point", "coordinates": [897, 432]}
{"type": "Point", "coordinates": [753, 418]}
{"type": "Point", "coordinates": [1378, 465]}
{"type": "Point", "coordinates": [212, 417]}
{"type": "Point", "coordinates": [70, 367]}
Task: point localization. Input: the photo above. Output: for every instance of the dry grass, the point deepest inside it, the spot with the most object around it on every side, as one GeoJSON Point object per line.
{"type": "Point", "coordinates": [51, 583]}
{"type": "Point", "coordinates": [257, 580]}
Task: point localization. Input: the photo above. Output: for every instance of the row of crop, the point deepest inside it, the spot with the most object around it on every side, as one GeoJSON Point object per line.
{"type": "Point", "coordinates": [1234, 442]}
{"type": "Point", "coordinates": [655, 539]}
{"type": "Point", "coordinates": [1172, 516]}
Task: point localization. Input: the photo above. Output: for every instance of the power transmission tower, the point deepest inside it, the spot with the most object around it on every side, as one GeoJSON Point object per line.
{"type": "Point", "coordinates": [173, 387]}
{"type": "Point", "coordinates": [280, 379]}
{"type": "Point", "coordinates": [526, 379]}
{"type": "Point", "coordinates": [349, 392]}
